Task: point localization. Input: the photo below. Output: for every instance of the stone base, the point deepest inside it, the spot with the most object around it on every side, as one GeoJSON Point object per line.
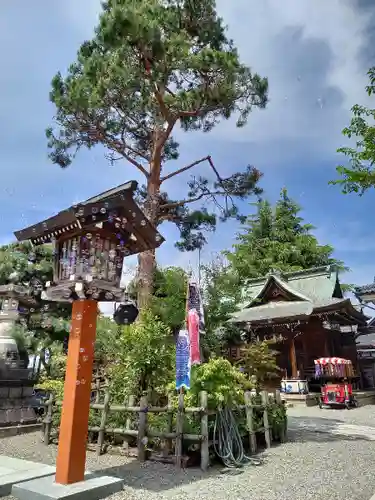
{"type": "Point", "coordinates": [15, 430]}
{"type": "Point", "coordinates": [365, 397]}
{"type": "Point", "coordinates": [14, 471]}
{"type": "Point", "coordinates": [94, 487]}
{"type": "Point", "coordinates": [16, 403]}
{"type": "Point", "coordinates": [300, 399]}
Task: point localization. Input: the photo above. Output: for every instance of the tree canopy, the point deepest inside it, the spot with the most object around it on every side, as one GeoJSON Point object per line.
{"type": "Point", "coordinates": [22, 264]}
{"type": "Point", "coordinates": [359, 175]}
{"type": "Point", "coordinates": [277, 238]}
{"type": "Point", "coordinates": [154, 65]}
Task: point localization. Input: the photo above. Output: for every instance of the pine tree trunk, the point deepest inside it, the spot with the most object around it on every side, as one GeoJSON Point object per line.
{"type": "Point", "coordinates": [147, 260]}
{"type": "Point", "coordinates": [146, 268]}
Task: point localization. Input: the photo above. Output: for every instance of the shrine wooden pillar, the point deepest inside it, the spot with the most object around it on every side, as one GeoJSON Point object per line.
{"type": "Point", "coordinates": [71, 455]}
{"type": "Point", "coordinates": [327, 351]}
{"type": "Point", "coordinates": [303, 364]}
{"type": "Point", "coordinates": [293, 358]}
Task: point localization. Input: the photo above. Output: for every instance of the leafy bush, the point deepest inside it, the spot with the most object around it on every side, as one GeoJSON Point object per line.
{"type": "Point", "coordinates": [258, 361]}
{"type": "Point", "coordinates": [223, 382]}
{"type": "Point", "coordinates": [145, 359]}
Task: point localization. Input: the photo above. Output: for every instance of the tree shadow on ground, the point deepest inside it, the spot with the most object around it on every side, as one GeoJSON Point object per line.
{"type": "Point", "coordinates": [157, 477]}
{"type": "Point", "coordinates": [323, 429]}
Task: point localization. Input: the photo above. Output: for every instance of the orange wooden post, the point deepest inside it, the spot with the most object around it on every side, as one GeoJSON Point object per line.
{"type": "Point", "coordinates": [293, 358]}
{"type": "Point", "coordinates": [71, 456]}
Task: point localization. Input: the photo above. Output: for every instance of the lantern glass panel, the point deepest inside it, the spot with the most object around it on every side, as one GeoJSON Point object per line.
{"type": "Point", "coordinates": [93, 255]}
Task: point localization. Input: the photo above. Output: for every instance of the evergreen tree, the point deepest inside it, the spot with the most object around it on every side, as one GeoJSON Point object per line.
{"type": "Point", "coordinates": [169, 297]}
{"type": "Point", "coordinates": [151, 66]}
{"type": "Point", "coordinates": [222, 294]}
{"type": "Point", "coordinates": [277, 239]}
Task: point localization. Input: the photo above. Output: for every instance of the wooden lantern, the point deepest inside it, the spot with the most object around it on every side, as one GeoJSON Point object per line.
{"type": "Point", "coordinates": [90, 241]}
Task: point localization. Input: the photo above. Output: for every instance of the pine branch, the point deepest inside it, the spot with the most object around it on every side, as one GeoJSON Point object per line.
{"type": "Point", "coordinates": [168, 206]}
{"type": "Point", "coordinates": [97, 133]}
{"type": "Point", "coordinates": [120, 148]}
{"type": "Point", "coordinates": [184, 169]}
{"type": "Point", "coordinates": [163, 108]}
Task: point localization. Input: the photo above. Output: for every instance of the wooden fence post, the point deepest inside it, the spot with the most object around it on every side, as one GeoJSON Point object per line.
{"type": "Point", "coordinates": [250, 422]}
{"type": "Point", "coordinates": [97, 389]}
{"type": "Point", "coordinates": [205, 449]}
{"type": "Point", "coordinates": [267, 431]}
{"type": "Point", "coordinates": [142, 429]}
{"type": "Point", "coordinates": [168, 442]}
{"type": "Point", "coordinates": [47, 421]}
{"type": "Point", "coordinates": [283, 428]}
{"type": "Point", "coordinates": [128, 424]}
{"type": "Point", "coordinates": [179, 429]}
{"type": "Point", "coordinates": [278, 397]}
{"type": "Point", "coordinates": [101, 435]}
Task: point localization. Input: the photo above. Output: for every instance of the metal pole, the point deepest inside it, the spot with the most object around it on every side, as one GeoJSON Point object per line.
{"type": "Point", "coordinates": [199, 268]}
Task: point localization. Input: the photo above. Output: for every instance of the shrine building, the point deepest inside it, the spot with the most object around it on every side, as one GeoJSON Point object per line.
{"type": "Point", "coordinates": [307, 315]}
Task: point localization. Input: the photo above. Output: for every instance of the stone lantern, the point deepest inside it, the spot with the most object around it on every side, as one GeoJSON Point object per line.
{"type": "Point", "coordinates": [16, 382]}
{"type": "Point", "coordinates": [90, 241]}
{"type": "Point", "coordinates": [16, 304]}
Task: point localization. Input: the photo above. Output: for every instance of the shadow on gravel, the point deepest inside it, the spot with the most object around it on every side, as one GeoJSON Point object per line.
{"type": "Point", "coordinates": [322, 429]}
{"type": "Point", "coordinates": [157, 477]}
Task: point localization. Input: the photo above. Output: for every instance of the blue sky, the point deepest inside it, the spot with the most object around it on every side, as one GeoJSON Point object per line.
{"type": "Point", "coordinates": [315, 54]}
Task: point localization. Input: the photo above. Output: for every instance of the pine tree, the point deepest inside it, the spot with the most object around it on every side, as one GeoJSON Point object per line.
{"type": "Point", "coordinates": [154, 65]}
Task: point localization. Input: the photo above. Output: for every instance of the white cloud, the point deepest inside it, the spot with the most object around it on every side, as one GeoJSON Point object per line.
{"type": "Point", "coordinates": [310, 52]}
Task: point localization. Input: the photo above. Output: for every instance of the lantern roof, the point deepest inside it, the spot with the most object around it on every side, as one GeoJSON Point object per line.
{"type": "Point", "coordinates": [93, 212]}
{"type": "Point", "coordinates": [19, 292]}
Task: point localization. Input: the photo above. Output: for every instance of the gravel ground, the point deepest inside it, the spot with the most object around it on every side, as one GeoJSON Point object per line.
{"type": "Point", "coordinates": [311, 465]}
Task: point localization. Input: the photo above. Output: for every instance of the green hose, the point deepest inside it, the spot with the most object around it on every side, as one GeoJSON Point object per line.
{"type": "Point", "coordinates": [227, 439]}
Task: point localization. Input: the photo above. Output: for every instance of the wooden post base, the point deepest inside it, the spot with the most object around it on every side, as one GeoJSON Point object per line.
{"type": "Point", "coordinates": [71, 456]}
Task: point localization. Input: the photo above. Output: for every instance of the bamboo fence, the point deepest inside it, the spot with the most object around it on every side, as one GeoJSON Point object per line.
{"type": "Point", "coordinates": [141, 431]}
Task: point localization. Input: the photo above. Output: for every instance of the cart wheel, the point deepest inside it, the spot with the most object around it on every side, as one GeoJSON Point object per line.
{"type": "Point", "coordinates": [347, 405]}
{"type": "Point", "coordinates": [320, 405]}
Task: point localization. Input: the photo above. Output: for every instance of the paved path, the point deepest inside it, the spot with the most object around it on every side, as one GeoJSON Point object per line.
{"type": "Point", "coordinates": [13, 470]}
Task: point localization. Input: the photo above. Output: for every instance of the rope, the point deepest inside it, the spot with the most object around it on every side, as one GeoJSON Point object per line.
{"type": "Point", "coordinates": [228, 442]}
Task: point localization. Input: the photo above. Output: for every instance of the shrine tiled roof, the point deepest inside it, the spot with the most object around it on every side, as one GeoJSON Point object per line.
{"type": "Point", "coordinates": [312, 290]}
{"type": "Point", "coordinates": [315, 284]}
{"type": "Point", "coordinates": [273, 311]}
{"type": "Point", "coordinates": [363, 289]}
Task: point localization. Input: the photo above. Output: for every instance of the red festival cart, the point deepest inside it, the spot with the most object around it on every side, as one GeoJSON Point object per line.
{"type": "Point", "coordinates": [336, 375]}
